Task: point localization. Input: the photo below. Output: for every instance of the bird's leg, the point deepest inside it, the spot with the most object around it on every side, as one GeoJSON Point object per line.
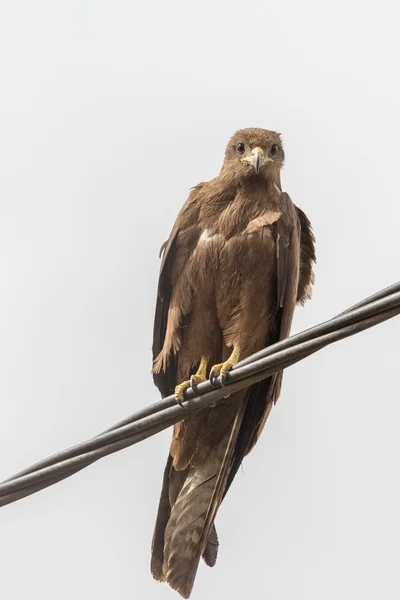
{"type": "Point", "coordinates": [198, 377]}
{"type": "Point", "coordinates": [221, 369]}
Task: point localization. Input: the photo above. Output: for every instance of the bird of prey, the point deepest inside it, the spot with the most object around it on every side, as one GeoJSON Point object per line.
{"type": "Point", "coordinates": [238, 259]}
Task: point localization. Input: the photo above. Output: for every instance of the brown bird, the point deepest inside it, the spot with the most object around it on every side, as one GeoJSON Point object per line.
{"type": "Point", "coordinates": [238, 259]}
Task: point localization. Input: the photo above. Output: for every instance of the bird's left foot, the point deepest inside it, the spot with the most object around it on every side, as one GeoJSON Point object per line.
{"type": "Point", "coordinates": [222, 369]}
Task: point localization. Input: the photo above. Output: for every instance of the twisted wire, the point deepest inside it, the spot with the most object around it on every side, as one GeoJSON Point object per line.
{"type": "Point", "coordinates": [156, 417]}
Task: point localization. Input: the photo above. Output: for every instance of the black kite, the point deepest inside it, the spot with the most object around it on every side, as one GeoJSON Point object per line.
{"type": "Point", "coordinates": [237, 261]}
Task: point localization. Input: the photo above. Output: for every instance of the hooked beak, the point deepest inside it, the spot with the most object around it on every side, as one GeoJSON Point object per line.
{"type": "Point", "coordinates": [257, 159]}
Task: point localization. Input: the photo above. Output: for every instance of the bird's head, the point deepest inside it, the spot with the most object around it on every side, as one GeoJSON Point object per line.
{"type": "Point", "coordinates": [253, 152]}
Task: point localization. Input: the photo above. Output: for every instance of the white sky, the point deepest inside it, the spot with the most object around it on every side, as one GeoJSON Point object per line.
{"type": "Point", "coordinates": [109, 113]}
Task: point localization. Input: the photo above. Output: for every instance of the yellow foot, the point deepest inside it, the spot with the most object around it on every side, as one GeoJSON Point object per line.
{"type": "Point", "coordinates": [193, 382]}
{"type": "Point", "coordinates": [180, 391]}
{"type": "Point", "coordinates": [222, 369]}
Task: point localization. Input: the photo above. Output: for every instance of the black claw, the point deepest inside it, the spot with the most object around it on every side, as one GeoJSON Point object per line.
{"type": "Point", "coordinates": [216, 380]}
{"type": "Point", "coordinates": [212, 379]}
{"type": "Point", "coordinates": [180, 403]}
{"type": "Point", "coordinates": [193, 385]}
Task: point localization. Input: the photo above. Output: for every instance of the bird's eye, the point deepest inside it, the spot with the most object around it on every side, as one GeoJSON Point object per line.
{"type": "Point", "coordinates": [240, 148]}
{"type": "Point", "coordinates": [274, 150]}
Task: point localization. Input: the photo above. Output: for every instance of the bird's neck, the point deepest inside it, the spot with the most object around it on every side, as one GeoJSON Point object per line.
{"type": "Point", "coordinates": [231, 207]}
{"type": "Point", "coordinates": [261, 190]}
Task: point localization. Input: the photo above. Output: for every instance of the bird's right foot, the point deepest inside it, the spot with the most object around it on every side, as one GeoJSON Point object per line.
{"type": "Point", "coordinates": [180, 392]}
{"type": "Point", "coordinates": [193, 382]}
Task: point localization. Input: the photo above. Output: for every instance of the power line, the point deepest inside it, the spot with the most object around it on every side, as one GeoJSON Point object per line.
{"type": "Point", "coordinates": [152, 419]}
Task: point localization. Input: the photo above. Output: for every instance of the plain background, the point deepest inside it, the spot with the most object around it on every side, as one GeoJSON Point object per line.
{"type": "Point", "coordinates": [109, 113]}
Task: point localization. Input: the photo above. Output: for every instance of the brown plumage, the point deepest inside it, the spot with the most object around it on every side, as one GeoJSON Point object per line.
{"type": "Point", "coordinates": [238, 259]}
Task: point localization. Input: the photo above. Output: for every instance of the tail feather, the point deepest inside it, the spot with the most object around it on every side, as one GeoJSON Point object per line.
{"type": "Point", "coordinates": [185, 529]}
{"type": "Point", "coordinates": [172, 485]}
{"type": "Point", "coordinates": [211, 551]}
{"type": "Point", "coordinates": [185, 525]}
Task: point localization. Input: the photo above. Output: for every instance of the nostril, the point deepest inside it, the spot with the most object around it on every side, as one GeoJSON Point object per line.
{"type": "Point", "coordinates": [258, 151]}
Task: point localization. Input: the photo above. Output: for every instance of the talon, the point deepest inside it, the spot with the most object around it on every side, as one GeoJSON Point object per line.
{"type": "Point", "coordinates": [180, 392]}
{"type": "Point", "coordinates": [193, 382]}
{"type": "Point", "coordinates": [222, 369]}
{"type": "Point", "coordinates": [226, 367]}
{"type": "Point", "coordinates": [214, 373]}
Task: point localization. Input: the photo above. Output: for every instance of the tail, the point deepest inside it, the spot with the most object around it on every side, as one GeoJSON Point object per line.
{"type": "Point", "coordinates": [188, 505]}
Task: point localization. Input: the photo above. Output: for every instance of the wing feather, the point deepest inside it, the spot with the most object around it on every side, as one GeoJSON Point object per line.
{"type": "Point", "coordinates": [164, 380]}
{"type": "Point", "coordinates": [307, 258]}
{"type": "Point", "coordinates": [295, 255]}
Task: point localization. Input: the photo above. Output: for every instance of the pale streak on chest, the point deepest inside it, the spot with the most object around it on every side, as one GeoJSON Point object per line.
{"type": "Point", "coordinates": [266, 218]}
{"type": "Point", "coordinates": [206, 242]}
{"type": "Point", "coordinates": [207, 238]}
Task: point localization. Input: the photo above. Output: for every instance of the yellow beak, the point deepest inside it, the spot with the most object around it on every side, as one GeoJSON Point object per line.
{"type": "Point", "coordinates": [257, 159]}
